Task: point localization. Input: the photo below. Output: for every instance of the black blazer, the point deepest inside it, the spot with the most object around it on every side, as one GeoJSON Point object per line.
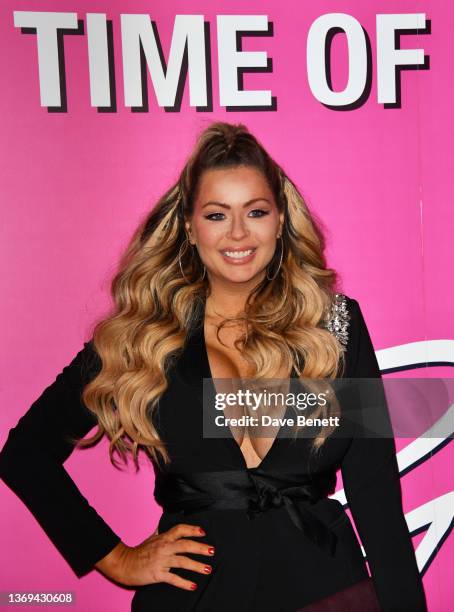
{"type": "Point", "coordinates": [272, 563]}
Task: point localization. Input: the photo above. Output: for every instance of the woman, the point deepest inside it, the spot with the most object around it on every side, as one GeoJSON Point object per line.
{"type": "Point", "coordinates": [225, 279]}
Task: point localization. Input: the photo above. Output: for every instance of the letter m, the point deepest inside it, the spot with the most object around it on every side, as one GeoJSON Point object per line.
{"type": "Point", "coordinates": [137, 32]}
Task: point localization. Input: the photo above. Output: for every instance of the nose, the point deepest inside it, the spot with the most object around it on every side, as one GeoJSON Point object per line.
{"type": "Point", "coordinates": [238, 228]}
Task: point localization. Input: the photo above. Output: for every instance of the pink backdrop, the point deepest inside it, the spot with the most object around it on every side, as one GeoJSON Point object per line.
{"type": "Point", "coordinates": [76, 183]}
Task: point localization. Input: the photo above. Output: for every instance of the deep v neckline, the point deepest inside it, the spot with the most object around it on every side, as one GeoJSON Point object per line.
{"type": "Point", "coordinates": [230, 439]}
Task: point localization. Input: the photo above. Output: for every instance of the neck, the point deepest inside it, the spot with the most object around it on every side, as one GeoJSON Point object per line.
{"type": "Point", "coordinates": [228, 299]}
{"type": "Point", "coordinates": [221, 307]}
{"type": "Point", "coordinates": [225, 303]}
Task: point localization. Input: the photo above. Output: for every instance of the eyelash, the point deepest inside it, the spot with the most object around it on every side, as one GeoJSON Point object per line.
{"type": "Point", "coordinates": [265, 212]}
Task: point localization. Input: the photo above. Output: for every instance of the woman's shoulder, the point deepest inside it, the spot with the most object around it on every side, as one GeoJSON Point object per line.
{"type": "Point", "coordinates": [84, 366]}
{"type": "Point", "coordinates": [346, 321]}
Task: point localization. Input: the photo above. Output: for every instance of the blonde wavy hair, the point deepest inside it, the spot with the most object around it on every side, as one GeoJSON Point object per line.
{"type": "Point", "coordinates": [155, 305]}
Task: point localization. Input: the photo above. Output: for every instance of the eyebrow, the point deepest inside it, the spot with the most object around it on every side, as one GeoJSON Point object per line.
{"type": "Point", "coordinates": [223, 205]}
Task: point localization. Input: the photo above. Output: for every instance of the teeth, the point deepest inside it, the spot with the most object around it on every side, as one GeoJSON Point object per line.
{"type": "Point", "coordinates": [237, 254]}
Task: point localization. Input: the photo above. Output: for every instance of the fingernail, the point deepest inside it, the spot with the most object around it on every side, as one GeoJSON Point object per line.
{"type": "Point", "coordinates": [211, 551]}
{"type": "Point", "coordinates": [201, 531]}
{"type": "Point", "coordinates": [193, 586]}
{"type": "Point", "coordinates": [207, 569]}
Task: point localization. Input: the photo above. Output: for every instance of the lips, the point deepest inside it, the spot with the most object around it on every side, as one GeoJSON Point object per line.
{"type": "Point", "coordinates": [238, 255]}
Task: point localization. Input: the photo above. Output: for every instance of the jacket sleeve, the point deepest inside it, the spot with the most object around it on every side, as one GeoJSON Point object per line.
{"type": "Point", "coordinates": [31, 464]}
{"type": "Point", "coordinates": [372, 486]}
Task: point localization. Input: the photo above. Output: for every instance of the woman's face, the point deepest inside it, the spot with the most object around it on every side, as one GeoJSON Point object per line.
{"type": "Point", "coordinates": [235, 224]}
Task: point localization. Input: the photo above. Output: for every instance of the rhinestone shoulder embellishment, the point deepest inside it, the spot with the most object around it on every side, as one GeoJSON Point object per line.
{"type": "Point", "coordinates": [338, 319]}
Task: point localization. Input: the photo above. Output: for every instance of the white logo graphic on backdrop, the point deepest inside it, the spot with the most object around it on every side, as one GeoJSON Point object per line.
{"type": "Point", "coordinates": [436, 516]}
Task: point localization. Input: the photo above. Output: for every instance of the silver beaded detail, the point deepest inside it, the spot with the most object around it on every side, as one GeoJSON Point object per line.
{"type": "Point", "coordinates": [337, 321]}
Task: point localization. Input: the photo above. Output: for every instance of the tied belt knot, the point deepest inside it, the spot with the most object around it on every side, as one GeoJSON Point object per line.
{"type": "Point", "coordinates": [267, 497]}
{"type": "Point", "coordinates": [254, 491]}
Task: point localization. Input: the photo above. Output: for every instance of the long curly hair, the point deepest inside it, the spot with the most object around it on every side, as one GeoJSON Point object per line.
{"type": "Point", "coordinates": [157, 289]}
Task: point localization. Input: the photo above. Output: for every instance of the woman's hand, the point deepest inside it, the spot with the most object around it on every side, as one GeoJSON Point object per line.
{"type": "Point", "coordinates": [150, 561]}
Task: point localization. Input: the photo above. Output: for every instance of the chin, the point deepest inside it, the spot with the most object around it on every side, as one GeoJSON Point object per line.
{"type": "Point", "coordinates": [241, 276]}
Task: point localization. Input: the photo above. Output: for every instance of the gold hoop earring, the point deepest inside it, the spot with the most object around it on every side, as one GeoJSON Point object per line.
{"type": "Point", "coordinates": [280, 262]}
{"type": "Point", "coordinates": [185, 244]}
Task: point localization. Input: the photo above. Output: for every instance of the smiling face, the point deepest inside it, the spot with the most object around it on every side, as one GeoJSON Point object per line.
{"type": "Point", "coordinates": [235, 224]}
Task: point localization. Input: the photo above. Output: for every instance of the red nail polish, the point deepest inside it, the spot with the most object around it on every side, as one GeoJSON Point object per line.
{"type": "Point", "coordinates": [211, 551]}
{"type": "Point", "coordinates": [193, 586]}
{"type": "Point", "coordinates": [207, 569]}
{"type": "Point", "coordinates": [201, 531]}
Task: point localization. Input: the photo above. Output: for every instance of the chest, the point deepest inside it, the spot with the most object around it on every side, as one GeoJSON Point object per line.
{"type": "Point", "coordinates": [227, 361]}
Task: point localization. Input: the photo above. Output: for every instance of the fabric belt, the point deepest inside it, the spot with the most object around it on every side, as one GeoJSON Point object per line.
{"type": "Point", "coordinates": [254, 491]}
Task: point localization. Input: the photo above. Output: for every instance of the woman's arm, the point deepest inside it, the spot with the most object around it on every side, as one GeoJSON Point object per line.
{"type": "Point", "coordinates": [372, 486]}
{"type": "Point", "coordinates": [31, 464]}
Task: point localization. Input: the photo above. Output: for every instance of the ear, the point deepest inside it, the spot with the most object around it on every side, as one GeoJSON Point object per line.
{"type": "Point", "coordinates": [281, 222]}
{"type": "Point", "coordinates": [187, 226]}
